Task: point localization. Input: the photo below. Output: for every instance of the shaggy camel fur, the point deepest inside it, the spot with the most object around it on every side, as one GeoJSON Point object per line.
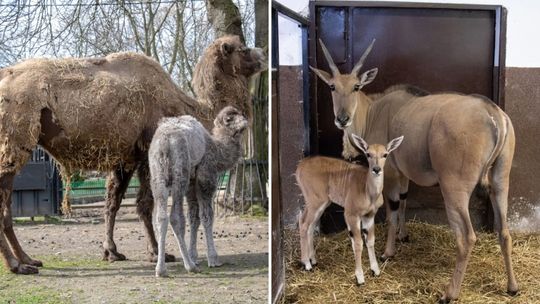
{"type": "Point", "coordinates": [456, 141]}
{"type": "Point", "coordinates": [354, 187]}
{"type": "Point", "coordinates": [93, 113]}
{"type": "Point", "coordinates": [183, 159]}
{"type": "Point", "coordinates": [221, 77]}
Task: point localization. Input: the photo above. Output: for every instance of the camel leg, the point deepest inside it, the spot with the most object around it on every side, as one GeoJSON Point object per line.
{"type": "Point", "coordinates": [14, 265]}
{"type": "Point", "coordinates": [206, 188]}
{"type": "Point", "coordinates": [145, 204]}
{"type": "Point", "coordinates": [456, 194]}
{"type": "Point", "coordinates": [160, 222]}
{"type": "Point", "coordinates": [178, 223]}
{"type": "Point", "coordinates": [194, 221]}
{"type": "Point", "coordinates": [355, 233]}
{"type": "Point", "coordinates": [117, 183]}
{"type": "Point", "coordinates": [12, 238]}
{"type": "Point", "coordinates": [499, 180]}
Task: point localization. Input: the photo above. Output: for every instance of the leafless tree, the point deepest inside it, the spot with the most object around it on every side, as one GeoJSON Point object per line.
{"type": "Point", "coordinates": [173, 32]}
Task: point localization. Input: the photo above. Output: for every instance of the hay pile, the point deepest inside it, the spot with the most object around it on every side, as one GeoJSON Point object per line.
{"type": "Point", "coordinates": [418, 273]}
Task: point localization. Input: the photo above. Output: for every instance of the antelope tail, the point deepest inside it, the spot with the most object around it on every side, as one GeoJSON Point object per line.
{"type": "Point", "coordinates": [500, 122]}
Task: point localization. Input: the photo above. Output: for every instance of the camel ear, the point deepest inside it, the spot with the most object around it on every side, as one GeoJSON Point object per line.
{"type": "Point", "coordinates": [325, 76]}
{"type": "Point", "coordinates": [226, 49]}
{"type": "Point", "coordinates": [359, 143]}
{"type": "Point", "coordinates": [368, 76]}
{"type": "Point", "coordinates": [393, 144]}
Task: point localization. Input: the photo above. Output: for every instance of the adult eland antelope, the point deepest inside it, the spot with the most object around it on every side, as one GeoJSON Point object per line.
{"type": "Point", "coordinates": [454, 140]}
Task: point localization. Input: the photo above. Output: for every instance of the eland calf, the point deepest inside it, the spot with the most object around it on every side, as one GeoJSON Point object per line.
{"type": "Point", "coordinates": [354, 187]}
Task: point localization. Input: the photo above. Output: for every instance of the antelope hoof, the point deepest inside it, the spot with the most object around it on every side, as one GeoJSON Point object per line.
{"type": "Point", "coordinates": [383, 258]}
{"type": "Point", "coordinates": [444, 301]}
{"type": "Point", "coordinates": [25, 269]}
{"type": "Point", "coordinates": [375, 273]}
{"type": "Point", "coordinates": [404, 239]}
{"type": "Point", "coordinates": [313, 262]}
{"type": "Point", "coordinates": [512, 293]}
{"type": "Point", "coordinates": [360, 284]}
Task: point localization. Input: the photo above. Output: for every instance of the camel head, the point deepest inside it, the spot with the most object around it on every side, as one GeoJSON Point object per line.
{"type": "Point", "coordinates": [346, 88]}
{"type": "Point", "coordinates": [237, 59]}
{"type": "Point", "coordinates": [231, 120]}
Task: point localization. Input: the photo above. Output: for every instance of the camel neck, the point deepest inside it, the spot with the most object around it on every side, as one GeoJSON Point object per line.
{"type": "Point", "coordinates": [228, 149]}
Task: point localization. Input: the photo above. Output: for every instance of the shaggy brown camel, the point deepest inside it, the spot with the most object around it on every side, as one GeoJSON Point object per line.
{"type": "Point", "coordinates": [99, 114]}
{"type": "Point", "coordinates": [456, 141]}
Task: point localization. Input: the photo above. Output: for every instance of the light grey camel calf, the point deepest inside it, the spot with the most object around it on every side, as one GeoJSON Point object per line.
{"type": "Point", "coordinates": [185, 160]}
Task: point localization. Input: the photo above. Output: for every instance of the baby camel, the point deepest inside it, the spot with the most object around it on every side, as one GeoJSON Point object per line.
{"type": "Point", "coordinates": [185, 159]}
{"type": "Point", "coordinates": [354, 187]}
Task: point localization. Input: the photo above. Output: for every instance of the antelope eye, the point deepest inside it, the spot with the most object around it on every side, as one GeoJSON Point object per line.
{"type": "Point", "coordinates": [369, 155]}
{"type": "Point", "coordinates": [332, 87]}
{"type": "Point", "coordinates": [356, 87]}
{"type": "Point", "coordinates": [385, 155]}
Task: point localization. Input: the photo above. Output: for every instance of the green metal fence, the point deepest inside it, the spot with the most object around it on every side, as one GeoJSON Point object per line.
{"type": "Point", "coordinates": [95, 188]}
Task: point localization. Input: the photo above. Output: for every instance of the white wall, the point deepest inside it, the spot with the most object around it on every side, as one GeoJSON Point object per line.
{"type": "Point", "coordinates": [523, 29]}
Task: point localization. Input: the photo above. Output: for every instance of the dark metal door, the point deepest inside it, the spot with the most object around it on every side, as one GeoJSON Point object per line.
{"type": "Point", "coordinates": [37, 188]}
{"type": "Point", "coordinates": [435, 47]}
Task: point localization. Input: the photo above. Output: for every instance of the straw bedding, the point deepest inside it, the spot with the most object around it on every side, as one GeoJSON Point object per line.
{"type": "Point", "coordinates": [417, 274]}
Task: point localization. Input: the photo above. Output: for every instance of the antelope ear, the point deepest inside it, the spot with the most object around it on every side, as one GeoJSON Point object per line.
{"type": "Point", "coordinates": [359, 143]}
{"type": "Point", "coordinates": [325, 76]}
{"type": "Point", "coordinates": [226, 49]}
{"type": "Point", "coordinates": [368, 76]}
{"type": "Point", "coordinates": [393, 144]}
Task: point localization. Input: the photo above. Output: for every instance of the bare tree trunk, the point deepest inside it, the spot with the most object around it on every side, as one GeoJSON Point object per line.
{"type": "Point", "coordinates": [225, 18]}
{"type": "Point", "coordinates": [261, 23]}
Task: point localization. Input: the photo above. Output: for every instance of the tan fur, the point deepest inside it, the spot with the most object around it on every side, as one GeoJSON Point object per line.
{"type": "Point", "coordinates": [453, 140]}
{"type": "Point", "coordinates": [356, 188]}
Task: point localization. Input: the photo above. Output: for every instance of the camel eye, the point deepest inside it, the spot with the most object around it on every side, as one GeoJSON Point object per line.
{"type": "Point", "coordinates": [332, 87]}
{"type": "Point", "coordinates": [356, 87]}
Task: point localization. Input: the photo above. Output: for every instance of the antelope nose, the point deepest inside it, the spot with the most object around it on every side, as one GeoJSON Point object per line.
{"type": "Point", "coordinates": [343, 119]}
{"type": "Point", "coordinates": [376, 170]}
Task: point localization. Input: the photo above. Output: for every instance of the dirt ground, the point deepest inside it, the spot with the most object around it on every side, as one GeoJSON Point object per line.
{"type": "Point", "coordinates": [74, 272]}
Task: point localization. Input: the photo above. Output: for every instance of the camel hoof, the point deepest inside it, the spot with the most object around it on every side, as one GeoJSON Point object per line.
{"type": "Point", "coordinates": [112, 256]}
{"type": "Point", "coordinates": [161, 274]}
{"type": "Point", "coordinates": [25, 269]}
{"type": "Point", "coordinates": [35, 263]}
{"type": "Point", "coordinates": [512, 293]}
{"type": "Point", "coordinates": [169, 258]}
{"type": "Point", "coordinates": [215, 264]}
{"type": "Point", "coordinates": [194, 269]}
